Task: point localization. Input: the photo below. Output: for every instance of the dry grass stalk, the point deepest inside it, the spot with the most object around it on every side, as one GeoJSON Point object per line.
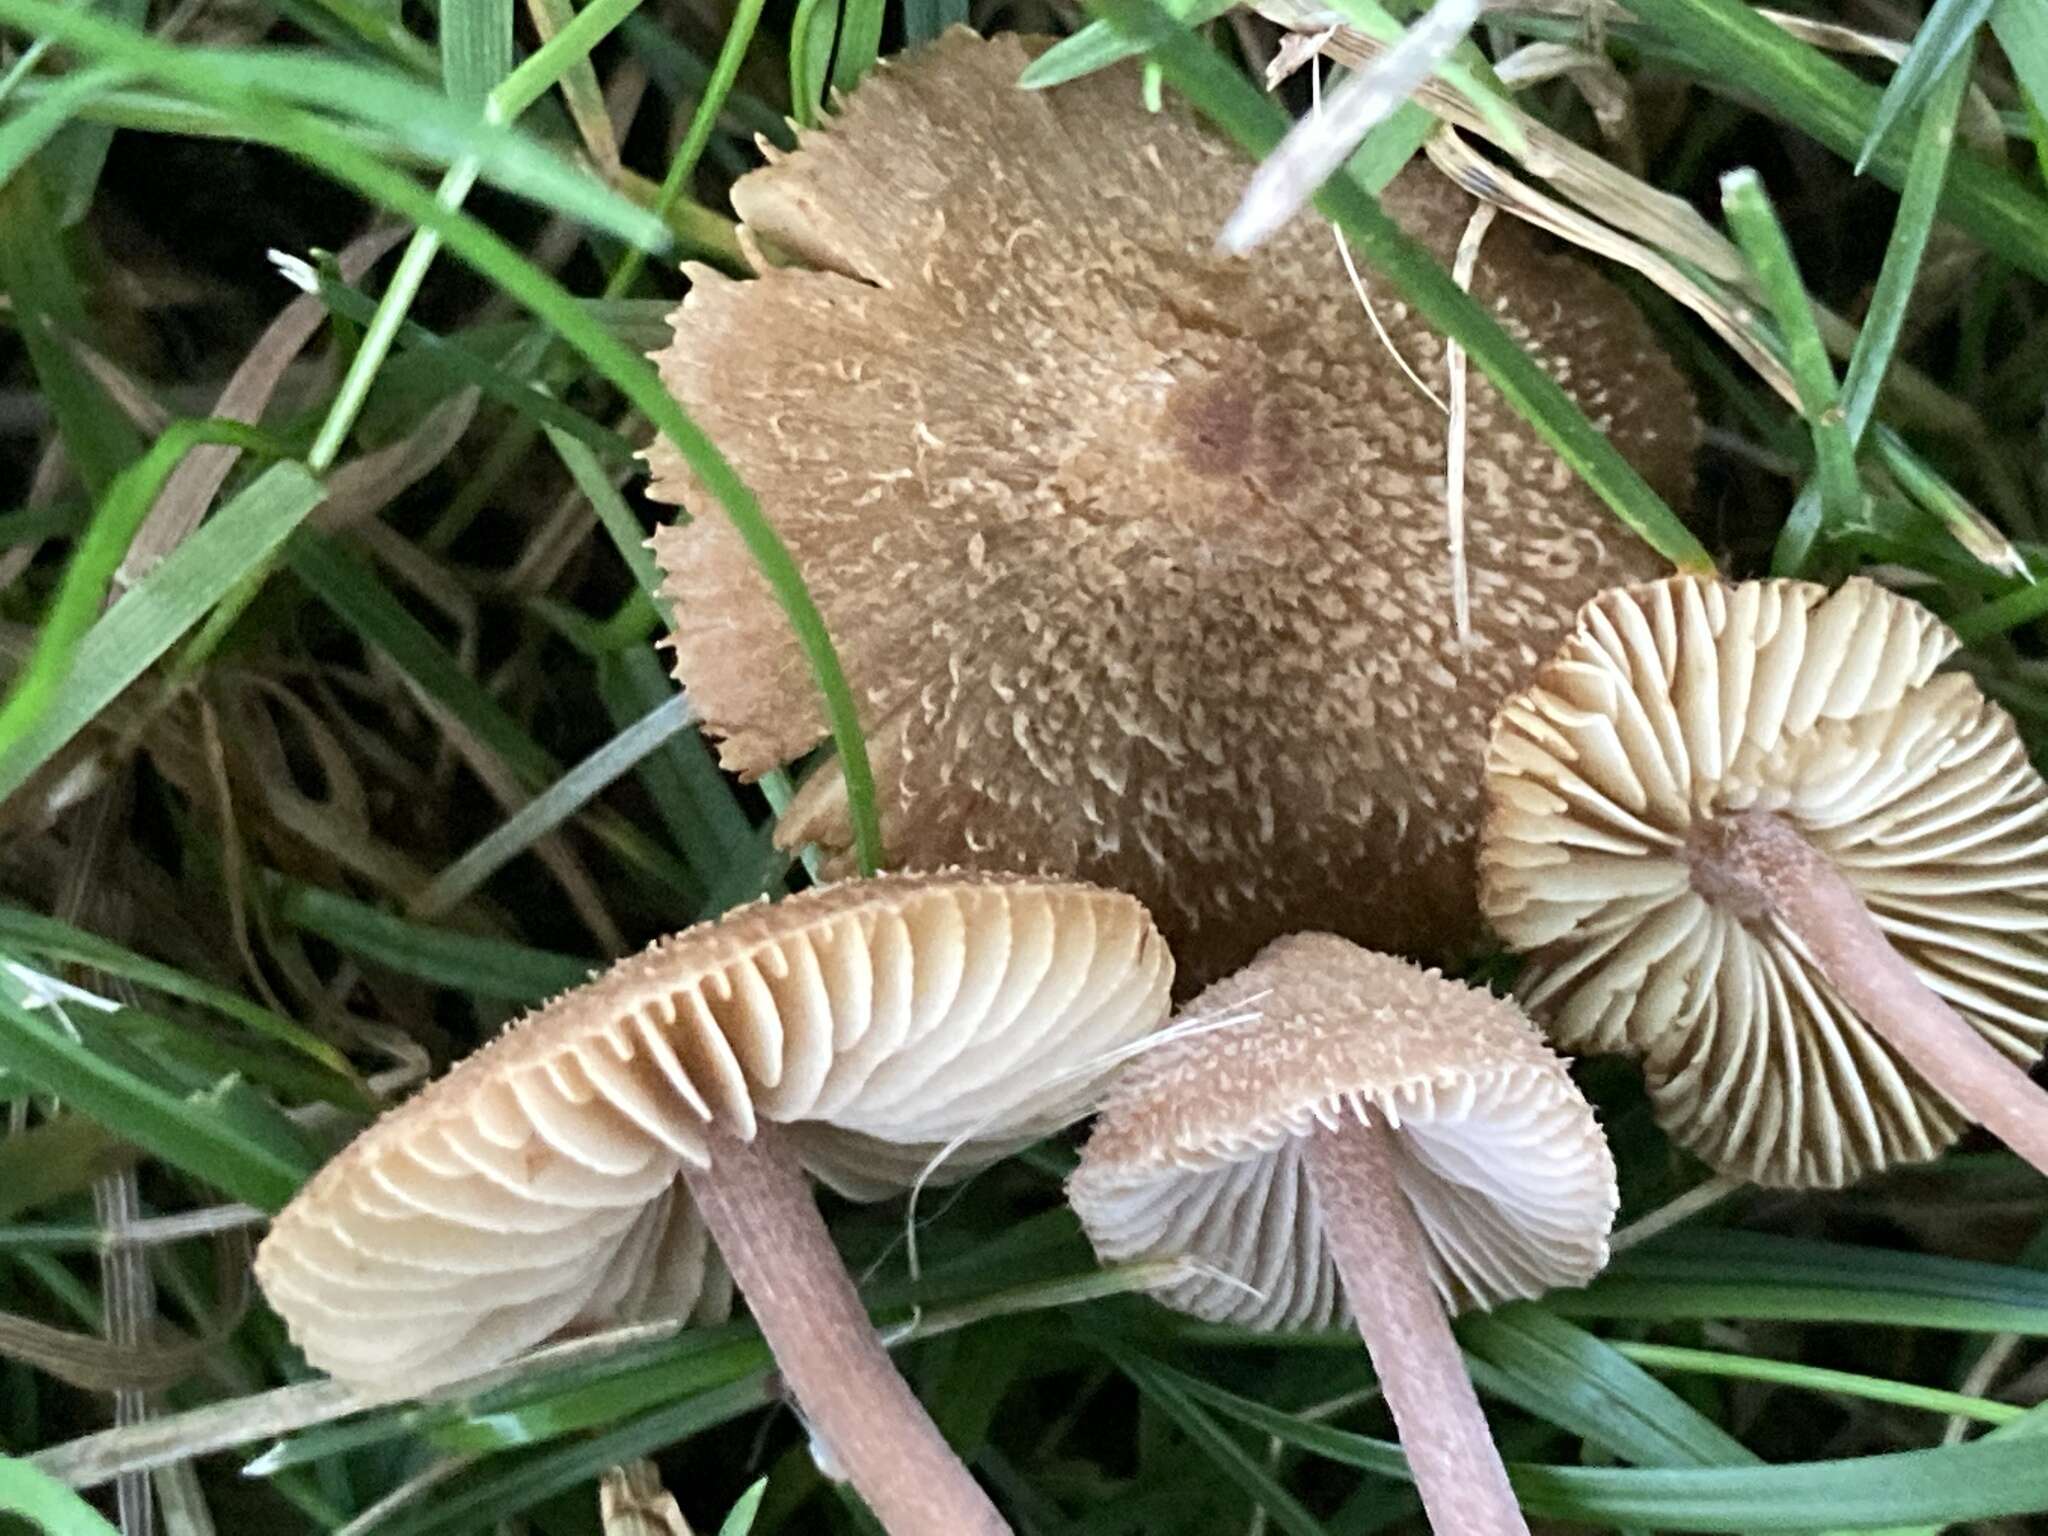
{"type": "Point", "coordinates": [632, 1502]}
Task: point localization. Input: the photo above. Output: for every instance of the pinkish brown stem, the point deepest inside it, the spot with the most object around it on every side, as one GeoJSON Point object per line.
{"type": "Point", "coordinates": [759, 1206]}
{"type": "Point", "coordinates": [1382, 1257]}
{"type": "Point", "coordinates": [1761, 858]}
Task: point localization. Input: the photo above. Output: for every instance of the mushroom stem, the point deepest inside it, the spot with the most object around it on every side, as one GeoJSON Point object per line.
{"type": "Point", "coordinates": [760, 1208]}
{"type": "Point", "coordinates": [1761, 858]}
{"type": "Point", "coordinates": [1381, 1255]}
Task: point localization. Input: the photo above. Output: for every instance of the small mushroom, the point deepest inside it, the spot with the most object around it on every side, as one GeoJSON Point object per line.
{"type": "Point", "coordinates": [1332, 1130]}
{"type": "Point", "coordinates": [1135, 553]}
{"type": "Point", "coordinates": [1751, 834]}
{"type": "Point", "coordinates": [574, 1172]}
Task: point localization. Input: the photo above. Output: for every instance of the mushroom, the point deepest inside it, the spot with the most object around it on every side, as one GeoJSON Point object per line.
{"type": "Point", "coordinates": [575, 1171]}
{"type": "Point", "coordinates": [1135, 553]}
{"type": "Point", "coordinates": [1751, 834]}
{"type": "Point", "coordinates": [1334, 1130]}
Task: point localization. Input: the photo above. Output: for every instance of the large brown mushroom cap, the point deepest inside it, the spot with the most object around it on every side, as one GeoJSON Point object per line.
{"type": "Point", "coordinates": [535, 1188]}
{"type": "Point", "coordinates": [1676, 704]}
{"type": "Point", "coordinates": [1135, 554]}
{"type": "Point", "coordinates": [1199, 1150]}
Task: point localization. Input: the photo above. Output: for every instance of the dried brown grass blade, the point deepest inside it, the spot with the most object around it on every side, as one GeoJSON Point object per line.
{"type": "Point", "coordinates": [1979, 123]}
{"type": "Point", "coordinates": [101, 1365]}
{"type": "Point", "coordinates": [553, 850]}
{"type": "Point", "coordinates": [194, 483]}
{"type": "Point", "coordinates": [410, 1490]}
{"type": "Point", "coordinates": [364, 486]}
{"type": "Point", "coordinates": [580, 89]}
{"type": "Point", "coordinates": [1620, 217]}
{"type": "Point", "coordinates": [1492, 183]}
{"type": "Point", "coordinates": [1595, 184]}
{"type": "Point", "coordinates": [632, 1502]}
{"type": "Point", "coordinates": [94, 1459]}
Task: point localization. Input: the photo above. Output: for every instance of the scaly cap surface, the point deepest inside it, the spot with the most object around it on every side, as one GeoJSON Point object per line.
{"type": "Point", "coordinates": [1135, 554]}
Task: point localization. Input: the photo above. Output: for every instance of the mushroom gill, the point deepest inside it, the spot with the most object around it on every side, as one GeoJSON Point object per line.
{"type": "Point", "coordinates": [1754, 835]}
{"type": "Point", "coordinates": [1135, 553]}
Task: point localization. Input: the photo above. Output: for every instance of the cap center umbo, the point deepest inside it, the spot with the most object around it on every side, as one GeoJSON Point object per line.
{"type": "Point", "coordinates": [1211, 423]}
{"type": "Point", "coordinates": [1207, 445]}
{"type": "Point", "coordinates": [1225, 423]}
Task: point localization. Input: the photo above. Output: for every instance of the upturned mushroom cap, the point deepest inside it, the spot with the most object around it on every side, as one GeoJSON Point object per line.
{"type": "Point", "coordinates": [1198, 1152]}
{"type": "Point", "coordinates": [1677, 703]}
{"type": "Point", "coordinates": [535, 1190]}
{"type": "Point", "coordinates": [1135, 554]}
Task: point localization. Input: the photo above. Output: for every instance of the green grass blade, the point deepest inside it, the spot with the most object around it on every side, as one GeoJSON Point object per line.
{"type": "Point", "coordinates": [1929, 492]}
{"type": "Point", "coordinates": [860, 40]}
{"type": "Point", "coordinates": [569, 49]}
{"type": "Point", "coordinates": [51, 1508]}
{"type": "Point", "coordinates": [45, 308]}
{"type": "Point", "coordinates": [924, 20]}
{"type": "Point", "coordinates": [2021, 27]}
{"type": "Point", "coordinates": [516, 1482]}
{"type": "Point", "coordinates": [415, 115]}
{"type": "Point", "coordinates": [1099, 45]}
{"type": "Point", "coordinates": [555, 805]}
{"type": "Point", "coordinates": [462, 962]}
{"type": "Point", "coordinates": [1919, 197]}
{"type": "Point", "coordinates": [1811, 1378]}
{"type": "Point", "coordinates": [61, 1156]}
{"type": "Point", "coordinates": [619, 521]}
{"type": "Point", "coordinates": [90, 573]}
{"type": "Point", "coordinates": [74, 162]}
{"type": "Point", "coordinates": [1166, 1388]}
{"type": "Point", "coordinates": [1466, 72]}
{"type": "Point", "coordinates": [682, 74]}
{"type": "Point", "coordinates": [739, 1521]}
{"type": "Point", "coordinates": [476, 49]}
{"type": "Point", "coordinates": [1985, 1479]}
{"type": "Point", "coordinates": [424, 122]}
{"type": "Point", "coordinates": [1763, 241]}
{"type": "Point", "coordinates": [167, 602]}
{"type": "Point", "coordinates": [1727, 40]}
{"type": "Point", "coordinates": [704, 1363]}
{"type": "Point", "coordinates": [29, 130]}
{"type": "Point", "coordinates": [811, 32]}
{"type": "Point", "coordinates": [582, 93]}
{"type": "Point", "coordinates": [457, 364]}
{"type": "Point", "coordinates": [2002, 615]}
{"type": "Point", "coordinates": [1800, 532]}
{"type": "Point", "coordinates": [1257, 124]}
{"type": "Point", "coordinates": [698, 802]}
{"type": "Point", "coordinates": [1949, 30]}
{"type": "Point", "coordinates": [1748, 1275]}
{"type": "Point", "coordinates": [1563, 1374]}
{"type": "Point", "coordinates": [55, 940]}
{"type": "Point", "coordinates": [349, 586]}
{"type": "Point", "coordinates": [718, 91]}
{"type": "Point", "coordinates": [182, 1133]}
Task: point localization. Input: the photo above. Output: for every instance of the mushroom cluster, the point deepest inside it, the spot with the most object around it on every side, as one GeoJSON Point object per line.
{"type": "Point", "coordinates": [1135, 553]}
{"type": "Point", "coordinates": [1754, 836]}
{"type": "Point", "coordinates": [576, 1172]}
{"type": "Point", "coordinates": [1333, 1133]}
